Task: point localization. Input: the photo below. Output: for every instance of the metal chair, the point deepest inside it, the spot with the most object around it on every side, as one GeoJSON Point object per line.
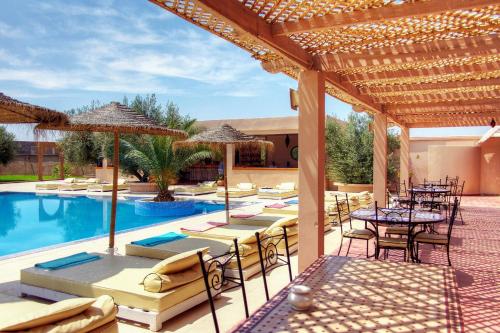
{"type": "Point", "coordinates": [439, 239]}
{"type": "Point", "coordinates": [392, 217]}
{"type": "Point", "coordinates": [269, 255]}
{"type": "Point", "coordinates": [222, 282]}
{"type": "Point", "coordinates": [344, 212]}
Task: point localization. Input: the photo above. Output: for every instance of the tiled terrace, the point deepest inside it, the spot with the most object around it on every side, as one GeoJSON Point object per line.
{"type": "Point", "coordinates": [475, 255]}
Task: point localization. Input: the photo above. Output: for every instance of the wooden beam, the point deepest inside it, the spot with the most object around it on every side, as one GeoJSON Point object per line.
{"type": "Point", "coordinates": [376, 15]}
{"type": "Point", "coordinates": [436, 50]}
{"type": "Point", "coordinates": [249, 22]}
{"type": "Point", "coordinates": [393, 53]}
{"type": "Point", "coordinates": [436, 96]}
{"type": "Point", "coordinates": [449, 115]}
{"type": "Point", "coordinates": [441, 105]}
{"type": "Point", "coordinates": [455, 110]}
{"type": "Point", "coordinates": [429, 86]}
{"type": "Point", "coordinates": [362, 78]}
{"type": "Point", "coordinates": [451, 123]}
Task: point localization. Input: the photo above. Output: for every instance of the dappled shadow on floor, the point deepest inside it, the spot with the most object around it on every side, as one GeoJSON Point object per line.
{"type": "Point", "coordinates": [475, 256]}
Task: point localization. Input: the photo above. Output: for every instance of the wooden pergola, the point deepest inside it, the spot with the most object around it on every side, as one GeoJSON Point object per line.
{"type": "Point", "coordinates": [433, 63]}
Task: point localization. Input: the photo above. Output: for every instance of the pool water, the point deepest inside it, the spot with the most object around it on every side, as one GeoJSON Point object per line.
{"type": "Point", "coordinates": [29, 221]}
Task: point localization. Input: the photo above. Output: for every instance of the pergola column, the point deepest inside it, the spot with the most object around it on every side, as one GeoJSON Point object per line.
{"type": "Point", "coordinates": [404, 155]}
{"type": "Point", "coordinates": [380, 159]}
{"type": "Point", "coordinates": [39, 159]}
{"type": "Point", "coordinates": [311, 166]}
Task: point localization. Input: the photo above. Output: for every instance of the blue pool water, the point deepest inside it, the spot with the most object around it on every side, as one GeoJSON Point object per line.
{"type": "Point", "coordinates": [29, 221]}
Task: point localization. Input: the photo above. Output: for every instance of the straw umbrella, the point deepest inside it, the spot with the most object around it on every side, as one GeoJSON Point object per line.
{"type": "Point", "coordinates": [218, 138]}
{"type": "Point", "coordinates": [114, 118]}
{"type": "Point", "coordinates": [13, 111]}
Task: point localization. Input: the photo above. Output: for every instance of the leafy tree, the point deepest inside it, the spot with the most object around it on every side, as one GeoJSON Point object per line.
{"type": "Point", "coordinates": [168, 116]}
{"type": "Point", "coordinates": [8, 146]}
{"type": "Point", "coordinates": [80, 148]}
{"type": "Point", "coordinates": [349, 149]}
{"type": "Point", "coordinates": [157, 157]}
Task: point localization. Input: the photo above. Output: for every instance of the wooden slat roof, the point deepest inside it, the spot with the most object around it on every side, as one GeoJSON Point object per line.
{"type": "Point", "coordinates": [438, 58]}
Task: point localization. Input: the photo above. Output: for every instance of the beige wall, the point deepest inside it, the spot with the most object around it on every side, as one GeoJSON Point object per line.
{"type": "Point", "coordinates": [490, 166]}
{"type": "Point", "coordinates": [434, 158]}
{"type": "Point", "coordinates": [258, 176]}
{"type": "Point", "coordinates": [461, 161]}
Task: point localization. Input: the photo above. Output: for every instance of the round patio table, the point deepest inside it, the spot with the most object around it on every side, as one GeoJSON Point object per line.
{"type": "Point", "coordinates": [418, 218]}
{"type": "Point", "coordinates": [430, 190]}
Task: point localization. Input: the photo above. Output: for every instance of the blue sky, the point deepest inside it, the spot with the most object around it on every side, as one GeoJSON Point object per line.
{"type": "Point", "coordinates": [64, 54]}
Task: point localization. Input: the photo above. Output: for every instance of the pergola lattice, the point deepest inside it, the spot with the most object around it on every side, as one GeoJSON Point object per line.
{"type": "Point", "coordinates": [423, 63]}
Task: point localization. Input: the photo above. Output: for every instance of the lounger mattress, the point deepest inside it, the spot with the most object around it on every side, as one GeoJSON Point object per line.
{"type": "Point", "coordinates": [116, 276]}
{"type": "Point", "coordinates": [228, 232]}
{"type": "Point", "coordinates": [162, 251]}
{"type": "Point", "coordinates": [265, 219]}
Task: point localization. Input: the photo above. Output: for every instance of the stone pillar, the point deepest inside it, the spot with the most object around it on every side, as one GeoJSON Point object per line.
{"type": "Point", "coordinates": [380, 159]}
{"type": "Point", "coordinates": [311, 166]}
{"type": "Point", "coordinates": [404, 156]}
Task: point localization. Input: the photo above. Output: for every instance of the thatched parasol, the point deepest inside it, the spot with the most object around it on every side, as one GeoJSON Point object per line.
{"type": "Point", "coordinates": [115, 118]}
{"type": "Point", "coordinates": [218, 138]}
{"type": "Point", "coordinates": [13, 111]}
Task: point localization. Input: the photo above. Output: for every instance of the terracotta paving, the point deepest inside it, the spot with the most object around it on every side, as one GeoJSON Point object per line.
{"type": "Point", "coordinates": [475, 256]}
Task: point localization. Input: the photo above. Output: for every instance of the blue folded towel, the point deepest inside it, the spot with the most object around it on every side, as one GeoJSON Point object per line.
{"type": "Point", "coordinates": [165, 238]}
{"type": "Point", "coordinates": [69, 261]}
{"type": "Point", "coordinates": [292, 202]}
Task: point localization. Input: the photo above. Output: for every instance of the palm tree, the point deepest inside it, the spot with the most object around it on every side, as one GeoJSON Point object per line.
{"type": "Point", "coordinates": [156, 156]}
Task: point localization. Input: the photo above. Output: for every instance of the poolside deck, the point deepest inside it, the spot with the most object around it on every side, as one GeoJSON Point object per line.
{"type": "Point", "coordinates": [475, 255]}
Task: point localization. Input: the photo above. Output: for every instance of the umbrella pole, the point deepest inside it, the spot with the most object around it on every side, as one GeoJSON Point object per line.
{"type": "Point", "coordinates": [226, 195]}
{"type": "Point", "coordinates": [116, 162]}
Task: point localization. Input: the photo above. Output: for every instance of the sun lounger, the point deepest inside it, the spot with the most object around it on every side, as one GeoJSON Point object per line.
{"type": "Point", "coordinates": [54, 185]}
{"type": "Point", "coordinates": [285, 209]}
{"type": "Point", "coordinates": [264, 219]}
{"type": "Point", "coordinates": [77, 186]}
{"type": "Point", "coordinates": [241, 190]}
{"type": "Point", "coordinates": [248, 252]}
{"type": "Point", "coordinates": [75, 315]}
{"type": "Point", "coordinates": [281, 191]}
{"type": "Point", "coordinates": [227, 232]}
{"type": "Point", "coordinates": [120, 278]}
{"type": "Point", "coordinates": [47, 186]}
{"type": "Point", "coordinates": [202, 188]}
{"type": "Point", "coordinates": [104, 187]}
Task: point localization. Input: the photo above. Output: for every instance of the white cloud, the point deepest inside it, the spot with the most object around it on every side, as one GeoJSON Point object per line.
{"type": "Point", "coordinates": [127, 54]}
{"type": "Point", "coordinates": [9, 31]}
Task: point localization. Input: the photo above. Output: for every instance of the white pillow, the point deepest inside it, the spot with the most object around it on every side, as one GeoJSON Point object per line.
{"type": "Point", "coordinates": [286, 186]}
{"type": "Point", "coordinates": [122, 181]}
{"type": "Point", "coordinates": [245, 186]}
{"type": "Point", "coordinates": [69, 180]}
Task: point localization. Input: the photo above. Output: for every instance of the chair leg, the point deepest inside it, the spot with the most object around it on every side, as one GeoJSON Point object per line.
{"type": "Point", "coordinates": [348, 247]}
{"type": "Point", "coordinates": [448, 253]}
{"type": "Point", "coordinates": [461, 218]}
{"type": "Point", "coordinates": [341, 243]}
{"type": "Point", "coordinates": [367, 242]}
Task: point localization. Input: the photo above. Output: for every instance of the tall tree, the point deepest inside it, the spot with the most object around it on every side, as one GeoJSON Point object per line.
{"type": "Point", "coordinates": [8, 146]}
{"type": "Point", "coordinates": [349, 150]}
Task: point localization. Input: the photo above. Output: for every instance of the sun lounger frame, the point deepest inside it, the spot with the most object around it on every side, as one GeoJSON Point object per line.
{"type": "Point", "coordinates": [153, 319]}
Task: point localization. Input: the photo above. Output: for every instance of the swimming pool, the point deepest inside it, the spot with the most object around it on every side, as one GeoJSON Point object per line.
{"type": "Point", "coordinates": [29, 221]}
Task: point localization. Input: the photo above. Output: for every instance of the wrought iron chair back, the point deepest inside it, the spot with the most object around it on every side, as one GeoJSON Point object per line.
{"type": "Point", "coordinates": [393, 217]}
{"type": "Point", "coordinates": [343, 211]}
{"type": "Point", "coordinates": [269, 256]}
{"type": "Point", "coordinates": [453, 216]}
{"type": "Point", "coordinates": [222, 282]}
{"type": "Point", "coordinates": [402, 190]}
